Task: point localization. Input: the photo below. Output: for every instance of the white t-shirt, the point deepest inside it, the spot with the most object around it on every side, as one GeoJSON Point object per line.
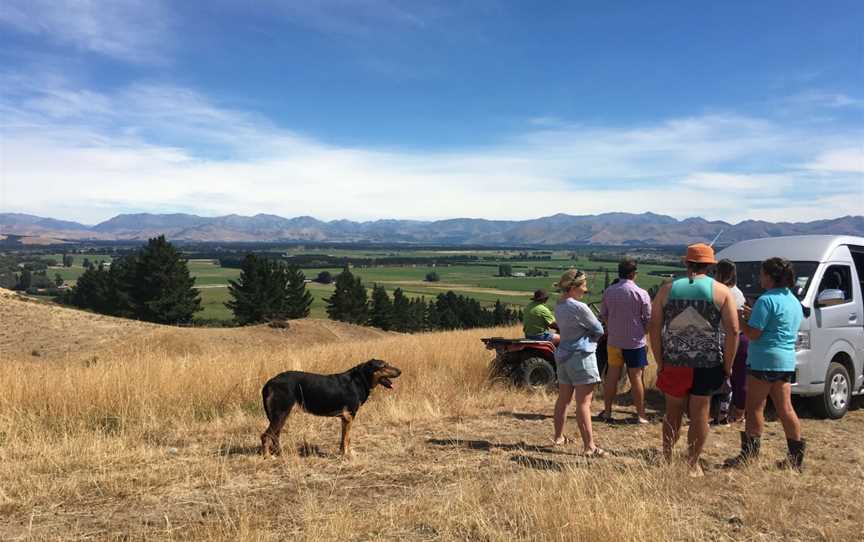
{"type": "Point", "coordinates": [739, 296]}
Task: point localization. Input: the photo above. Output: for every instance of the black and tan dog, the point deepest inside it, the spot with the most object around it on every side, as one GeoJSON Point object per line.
{"type": "Point", "coordinates": [323, 395]}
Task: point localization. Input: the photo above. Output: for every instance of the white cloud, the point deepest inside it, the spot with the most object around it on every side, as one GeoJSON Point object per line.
{"type": "Point", "coordinates": [359, 17]}
{"type": "Point", "coordinates": [135, 30]}
{"type": "Point", "coordinates": [818, 98]}
{"type": "Point", "coordinates": [849, 160]}
{"type": "Point", "coordinates": [738, 182]}
{"type": "Point", "coordinates": [79, 154]}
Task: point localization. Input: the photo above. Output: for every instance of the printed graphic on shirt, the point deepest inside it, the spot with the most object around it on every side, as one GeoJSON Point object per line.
{"type": "Point", "coordinates": [692, 336]}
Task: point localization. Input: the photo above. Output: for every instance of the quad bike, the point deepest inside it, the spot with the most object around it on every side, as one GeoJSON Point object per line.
{"type": "Point", "coordinates": [531, 363]}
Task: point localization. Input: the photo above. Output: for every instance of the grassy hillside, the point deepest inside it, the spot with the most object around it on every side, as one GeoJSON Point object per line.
{"type": "Point", "coordinates": [157, 439]}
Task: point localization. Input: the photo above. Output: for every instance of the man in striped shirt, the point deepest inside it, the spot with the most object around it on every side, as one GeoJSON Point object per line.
{"type": "Point", "coordinates": [626, 309]}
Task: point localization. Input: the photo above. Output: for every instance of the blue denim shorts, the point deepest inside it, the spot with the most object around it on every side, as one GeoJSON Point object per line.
{"type": "Point", "coordinates": [580, 368]}
{"type": "Point", "coordinates": [772, 376]}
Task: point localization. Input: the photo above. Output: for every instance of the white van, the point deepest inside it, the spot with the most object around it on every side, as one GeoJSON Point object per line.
{"type": "Point", "coordinates": [830, 349]}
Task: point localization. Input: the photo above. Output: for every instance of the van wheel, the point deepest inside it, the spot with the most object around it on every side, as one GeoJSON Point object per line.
{"type": "Point", "coordinates": [834, 403]}
{"type": "Point", "coordinates": [536, 373]}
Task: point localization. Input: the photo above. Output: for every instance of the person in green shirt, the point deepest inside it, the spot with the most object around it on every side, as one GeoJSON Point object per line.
{"type": "Point", "coordinates": [537, 319]}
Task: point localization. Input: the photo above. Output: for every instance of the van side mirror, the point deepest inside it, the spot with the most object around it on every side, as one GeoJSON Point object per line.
{"type": "Point", "coordinates": [806, 310]}
{"type": "Point", "coordinates": [829, 298]}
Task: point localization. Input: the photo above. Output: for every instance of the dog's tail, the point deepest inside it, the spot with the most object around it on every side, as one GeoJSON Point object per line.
{"type": "Point", "coordinates": [265, 395]}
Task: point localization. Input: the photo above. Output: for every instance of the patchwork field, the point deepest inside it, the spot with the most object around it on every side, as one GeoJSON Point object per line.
{"type": "Point", "coordinates": [477, 280]}
{"type": "Point", "coordinates": [147, 432]}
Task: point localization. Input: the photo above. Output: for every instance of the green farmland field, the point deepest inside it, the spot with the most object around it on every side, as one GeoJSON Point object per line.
{"type": "Point", "coordinates": [477, 280]}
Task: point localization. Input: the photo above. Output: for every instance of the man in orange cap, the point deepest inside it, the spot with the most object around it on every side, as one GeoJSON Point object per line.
{"type": "Point", "coordinates": [694, 337]}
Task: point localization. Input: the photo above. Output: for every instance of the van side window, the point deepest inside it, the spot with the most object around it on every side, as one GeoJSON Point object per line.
{"type": "Point", "coordinates": [858, 258]}
{"type": "Point", "coordinates": [838, 277]}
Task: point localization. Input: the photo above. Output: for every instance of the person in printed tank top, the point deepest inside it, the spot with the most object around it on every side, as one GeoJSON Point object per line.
{"type": "Point", "coordinates": [694, 337]}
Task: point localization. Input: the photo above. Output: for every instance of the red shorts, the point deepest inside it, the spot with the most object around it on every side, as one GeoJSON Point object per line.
{"type": "Point", "coordinates": [678, 381]}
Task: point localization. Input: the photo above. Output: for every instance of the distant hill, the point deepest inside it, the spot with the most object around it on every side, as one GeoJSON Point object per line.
{"type": "Point", "coordinates": [560, 229]}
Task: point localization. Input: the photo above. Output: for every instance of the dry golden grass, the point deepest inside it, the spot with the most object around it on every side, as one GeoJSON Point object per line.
{"type": "Point", "coordinates": [159, 440]}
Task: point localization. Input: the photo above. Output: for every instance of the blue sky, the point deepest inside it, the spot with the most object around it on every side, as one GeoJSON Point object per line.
{"type": "Point", "coordinates": [382, 109]}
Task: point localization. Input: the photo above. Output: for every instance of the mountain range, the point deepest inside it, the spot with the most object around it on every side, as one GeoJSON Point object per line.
{"type": "Point", "coordinates": [556, 230]}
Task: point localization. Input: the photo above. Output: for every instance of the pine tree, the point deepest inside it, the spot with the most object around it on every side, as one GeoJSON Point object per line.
{"type": "Point", "coordinates": [401, 310]}
{"type": "Point", "coordinates": [381, 312]}
{"type": "Point", "coordinates": [417, 315]}
{"type": "Point", "coordinates": [25, 279]}
{"type": "Point", "coordinates": [268, 290]}
{"type": "Point", "coordinates": [432, 317]}
{"type": "Point", "coordinates": [248, 303]}
{"type": "Point", "coordinates": [349, 301]}
{"type": "Point", "coordinates": [163, 291]}
{"type": "Point", "coordinates": [99, 290]}
{"type": "Point", "coordinates": [500, 314]}
{"type": "Point", "coordinates": [297, 299]}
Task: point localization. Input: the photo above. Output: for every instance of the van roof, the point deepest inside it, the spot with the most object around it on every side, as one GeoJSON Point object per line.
{"type": "Point", "coordinates": [802, 248]}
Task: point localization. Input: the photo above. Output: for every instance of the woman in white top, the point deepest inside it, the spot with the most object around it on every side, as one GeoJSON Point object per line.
{"type": "Point", "coordinates": [726, 272]}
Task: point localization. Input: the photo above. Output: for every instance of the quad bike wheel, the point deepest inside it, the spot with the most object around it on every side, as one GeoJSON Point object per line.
{"type": "Point", "coordinates": [536, 373]}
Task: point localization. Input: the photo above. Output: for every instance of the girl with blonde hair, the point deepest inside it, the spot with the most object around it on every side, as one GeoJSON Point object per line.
{"type": "Point", "coordinates": [576, 359]}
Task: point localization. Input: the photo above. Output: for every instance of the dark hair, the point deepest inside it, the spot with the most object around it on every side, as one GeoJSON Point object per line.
{"type": "Point", "coordinates": [725, 272]}
{"type": "Point", "coordinates": [626, 268]}
{"type": "Point", "coordinates": [698, 268]}
{"type": "Point", "coordinates": [781, 272]}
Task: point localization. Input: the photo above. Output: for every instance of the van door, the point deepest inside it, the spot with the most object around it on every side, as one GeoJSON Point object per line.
{"type": "Point", "coordinates": [841, 322]}
{"type": "Point", "coordinates": [857, 253]}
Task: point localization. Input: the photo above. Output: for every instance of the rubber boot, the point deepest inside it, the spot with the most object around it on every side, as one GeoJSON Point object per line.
{"type": "Point", "coordinates": [795, 457]}
{"type": "Point", "coordinates": [749, 451]}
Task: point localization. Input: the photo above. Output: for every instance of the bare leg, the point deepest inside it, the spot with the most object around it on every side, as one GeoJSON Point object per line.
{"type": "Point", "coordinates": [700, 406]}
{"type": "Point", "coordinates": [757, 394]}
{"type": "Point", "coordinates": [672, 423]}
{"type": "Point", "coordinates": [565, 394]}
{"type": "Point", "coordinates": [781, 396]}
{"type": "Point", "coordinates": [637, 390]}
{"type": "Point", "coordinates": [610, 388]}
{"type": "Point", "coordinates": [584, 394]}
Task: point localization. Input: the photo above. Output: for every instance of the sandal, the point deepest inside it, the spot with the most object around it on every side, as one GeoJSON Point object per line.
{"type": "Point", "coordinates": [596, 452]}
{"type": "Point", "coordinates": [561, 442]}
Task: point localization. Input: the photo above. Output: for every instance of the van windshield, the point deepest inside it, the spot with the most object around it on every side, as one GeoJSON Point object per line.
{"type": "Point", "coordinates": [748, 278]}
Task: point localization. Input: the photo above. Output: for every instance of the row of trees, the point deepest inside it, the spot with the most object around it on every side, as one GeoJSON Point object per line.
{"type": "Point", "coordinates": [152, 284]}
{"type": "Point", "coordinates": [350, 303]}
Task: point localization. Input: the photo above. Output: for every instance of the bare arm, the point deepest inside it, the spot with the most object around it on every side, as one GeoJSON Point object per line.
{"type": "Point", "coordinates": [729, 315]}
{"type": "Point", "coordinates": [751, 333]}
{"type": "Point", "coordinates": [655, 325]}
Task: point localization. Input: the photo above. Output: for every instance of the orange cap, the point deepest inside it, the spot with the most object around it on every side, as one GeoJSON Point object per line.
{"type": "Point", "coordinates": [700, 253]}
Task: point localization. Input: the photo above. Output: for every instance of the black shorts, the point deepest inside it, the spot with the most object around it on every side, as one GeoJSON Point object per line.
{"type": "Point", "coordinates": [679, 381]}
{"type": "Point", "coordinates": [772, 376]}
